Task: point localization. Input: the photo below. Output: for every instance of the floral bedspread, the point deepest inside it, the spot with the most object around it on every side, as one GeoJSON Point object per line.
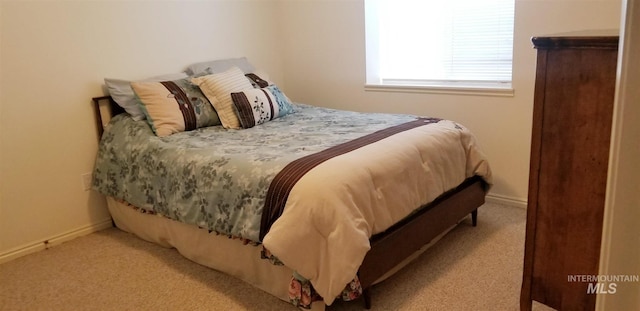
{"type": "Point", "coordinates": [213, 177]}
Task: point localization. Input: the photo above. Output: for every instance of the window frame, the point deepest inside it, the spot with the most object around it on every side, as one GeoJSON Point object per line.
{"type": "Point", "coordinates": [376, 84]}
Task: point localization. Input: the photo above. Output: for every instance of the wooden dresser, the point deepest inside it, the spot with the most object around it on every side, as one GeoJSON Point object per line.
{"type": "Point", "coordinates": [573, 106]}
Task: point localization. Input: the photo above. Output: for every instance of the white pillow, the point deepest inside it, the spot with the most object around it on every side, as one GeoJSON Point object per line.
{"type": "Point", "coordinates": [221, 65]}
{"type": "Point", "coordinates": [122, 93]}
{"type": "Point", "coordinates": [218, 88]}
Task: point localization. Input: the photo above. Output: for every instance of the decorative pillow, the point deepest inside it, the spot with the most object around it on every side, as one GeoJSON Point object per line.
{"type": "Point", "coordinates": [257, 106]}
{"type": "Point", "coordinates": [174, 106]}
{"type": "Point", "coordinates": [221, 65]}
{"type": "Point", "coordinates": [218, 88]}
{"type": "Point", "coordinates": [123, 95]}
{"type": "Point", "coordinates": [258, 81]}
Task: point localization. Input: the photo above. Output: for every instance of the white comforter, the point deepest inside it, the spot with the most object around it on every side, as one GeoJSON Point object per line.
{"type": "Point", "coordinates": [325, 237]}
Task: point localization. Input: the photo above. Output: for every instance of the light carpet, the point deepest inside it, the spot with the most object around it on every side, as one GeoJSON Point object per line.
{"type": "Point", "coordinates": [470, 268]}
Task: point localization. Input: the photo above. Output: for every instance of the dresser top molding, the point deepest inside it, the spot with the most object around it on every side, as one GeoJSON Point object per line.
{"type": "Point", "coordinates": [601, 39]}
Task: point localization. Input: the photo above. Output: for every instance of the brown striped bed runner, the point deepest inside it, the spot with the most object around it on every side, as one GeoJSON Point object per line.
{"type": "Point", "coordinates": [284, 181]}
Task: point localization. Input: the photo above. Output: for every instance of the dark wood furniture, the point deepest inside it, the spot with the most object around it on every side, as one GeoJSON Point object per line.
{"type": "Point", "coordinates": [573, 106]}
{"type": "Point", "coordinates": [391, 247]}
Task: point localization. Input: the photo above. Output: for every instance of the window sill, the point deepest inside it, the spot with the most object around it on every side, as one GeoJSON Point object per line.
{"type": "Point", "coordinates": [453, 90]}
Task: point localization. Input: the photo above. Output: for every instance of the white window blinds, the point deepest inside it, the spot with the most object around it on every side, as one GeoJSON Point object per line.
{"type": "Point", "coordinates": [465, 43]}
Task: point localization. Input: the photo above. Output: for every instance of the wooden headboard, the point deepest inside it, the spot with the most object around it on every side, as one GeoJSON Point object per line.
{"type": "Point", "coordinates": [105, 108]}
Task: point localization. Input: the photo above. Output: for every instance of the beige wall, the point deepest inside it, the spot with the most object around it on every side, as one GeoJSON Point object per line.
{"type": "Point", "coordinates": [54, 56]}
{"type": "Point", "coordinates": [325, 65]}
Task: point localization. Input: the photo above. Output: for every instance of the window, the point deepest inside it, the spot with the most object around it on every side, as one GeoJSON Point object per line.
{"type": "Point", "coordinates": [462, 45]}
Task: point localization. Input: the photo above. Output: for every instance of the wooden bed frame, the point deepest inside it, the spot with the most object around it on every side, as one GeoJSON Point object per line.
{"type": "Point", "coordinates": [391, 247]}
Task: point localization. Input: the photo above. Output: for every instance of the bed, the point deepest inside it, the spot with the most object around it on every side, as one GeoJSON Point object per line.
{"type": "Point", "coordinates": [305, 198]}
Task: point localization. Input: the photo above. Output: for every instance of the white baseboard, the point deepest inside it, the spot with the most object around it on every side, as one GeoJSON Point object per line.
{"type": "Point", "coordinates": [505, 200]}
{"type": "Point", "coordinates": [53, 241]}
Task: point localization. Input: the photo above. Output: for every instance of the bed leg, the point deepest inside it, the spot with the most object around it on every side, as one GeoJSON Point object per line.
{"type": "Point", "coordinates": [474, 217]}
{"type": "Point", "coordinates": [366, 294]}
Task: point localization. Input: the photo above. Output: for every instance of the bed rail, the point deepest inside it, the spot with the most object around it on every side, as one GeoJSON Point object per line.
{"type": "Point", "coordinates": [391, 247]}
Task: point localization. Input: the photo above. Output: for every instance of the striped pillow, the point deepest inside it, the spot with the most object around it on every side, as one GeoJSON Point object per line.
{"type": "Point", "coordinates": [218, 88]}
{"type": "Point", "coordinates": [174, 106]}
{"type": "Point", "coordinates": [123, 95]}
{"type": "Point", "coordinates": [257, 106]}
